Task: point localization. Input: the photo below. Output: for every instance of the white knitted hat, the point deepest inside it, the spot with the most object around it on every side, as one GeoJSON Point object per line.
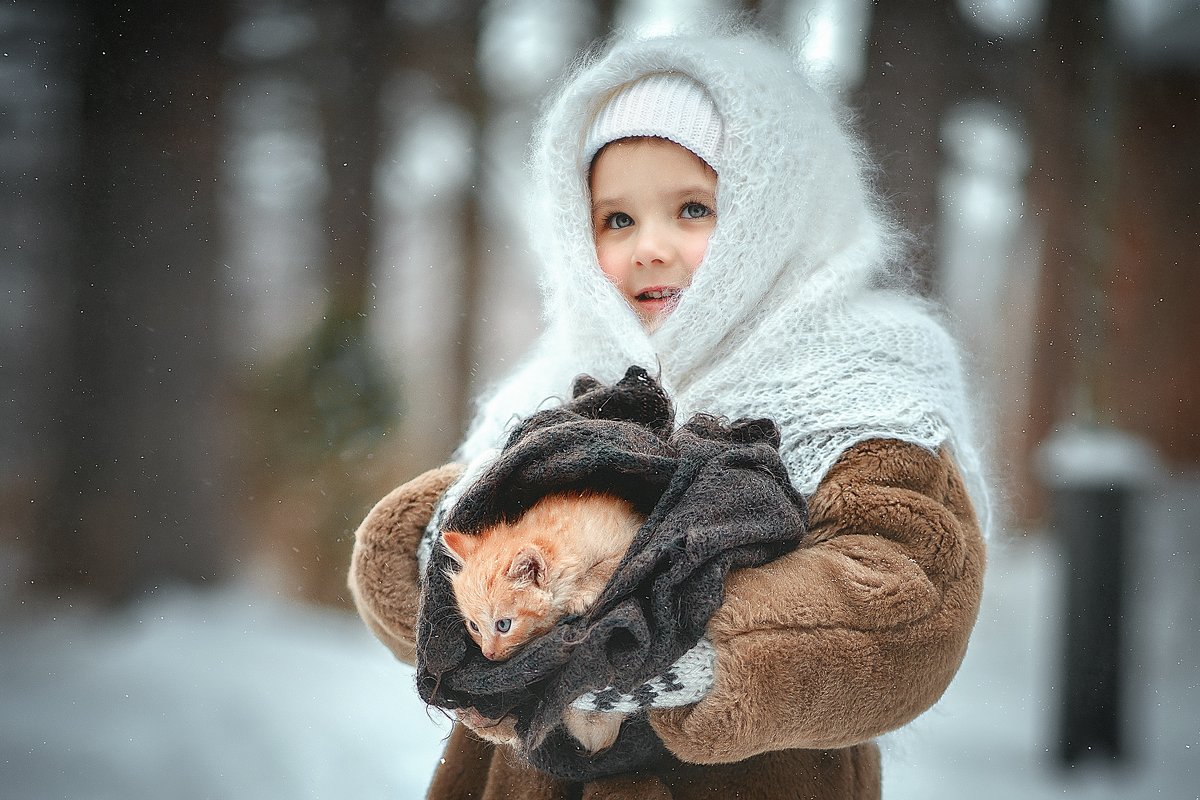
{"type": "Point", "coordinates": [668, 105]}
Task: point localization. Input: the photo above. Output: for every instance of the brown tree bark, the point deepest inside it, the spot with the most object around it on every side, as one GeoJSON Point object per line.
{"type": "Point", "coordinates": [141, 445]}
{"type": "Point", "coordinates": [355, 63]}
{"type": "Point", "coordinates": [922, 60]}
{"type": "Point", "coordinates": [1151, 374]}
{"type": "Point", "coordinates": [1070, 112]}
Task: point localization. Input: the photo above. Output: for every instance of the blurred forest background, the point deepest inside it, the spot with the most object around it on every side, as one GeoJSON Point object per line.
{"type": "Point", "coordinates": [259, 256]}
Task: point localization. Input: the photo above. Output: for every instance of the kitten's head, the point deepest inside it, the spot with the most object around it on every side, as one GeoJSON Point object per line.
{"type": "Point", "coordinates": [501, 589]}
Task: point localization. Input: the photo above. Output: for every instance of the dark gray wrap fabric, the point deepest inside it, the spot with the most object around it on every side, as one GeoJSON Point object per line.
{"type": "Point", "coordinates": [716, 496]}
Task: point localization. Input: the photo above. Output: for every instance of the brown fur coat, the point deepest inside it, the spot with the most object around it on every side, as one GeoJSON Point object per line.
{"type": "Point", "coordinates": [818, 652]}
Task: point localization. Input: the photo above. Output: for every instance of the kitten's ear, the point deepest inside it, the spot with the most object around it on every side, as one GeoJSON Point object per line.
{"type": "Point", "coordinates": [528, 567]}
{"type": "Point", "coordinates": [459, 545]}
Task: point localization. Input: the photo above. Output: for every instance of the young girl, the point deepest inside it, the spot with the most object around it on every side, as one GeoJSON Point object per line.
{"type": "Point", "coordinates": [705, 214]}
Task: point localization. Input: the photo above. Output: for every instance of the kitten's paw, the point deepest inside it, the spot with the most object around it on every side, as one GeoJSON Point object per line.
{"type": "Point", "coordinates": [594, 730]}
{"type": "Point", "coordinates": [497, 731]}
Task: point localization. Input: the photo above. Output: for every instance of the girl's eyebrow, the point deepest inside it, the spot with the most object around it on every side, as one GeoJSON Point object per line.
{"type": "Point", "coordinates": [607, 204]}
{"type": "Point", "coordinates": [698, 189]}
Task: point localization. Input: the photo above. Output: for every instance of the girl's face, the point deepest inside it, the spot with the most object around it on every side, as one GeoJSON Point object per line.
{"type": "Point", "coordinates": [653, 211]}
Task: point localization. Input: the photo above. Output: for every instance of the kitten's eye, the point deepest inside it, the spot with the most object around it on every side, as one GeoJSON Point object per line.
{"type": "Point", "coordinates": [695, 211]}
{"type": "Point", "coordinates": [474, 627]}
{"type": "Point", "coordinates": [503, 625]}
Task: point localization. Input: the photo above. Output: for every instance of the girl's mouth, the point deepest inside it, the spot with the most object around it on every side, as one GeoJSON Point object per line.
{"type": "Point", "coordinates": [659, 293]}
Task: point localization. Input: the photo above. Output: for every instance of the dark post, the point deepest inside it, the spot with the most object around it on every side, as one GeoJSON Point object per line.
{"type": "Point", "coordinates": [1094, 475]}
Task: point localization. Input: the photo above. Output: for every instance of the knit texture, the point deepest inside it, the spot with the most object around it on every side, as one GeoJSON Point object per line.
{"type": "Point", "coordinates": [716, 497]}
{"type": "Point", "coordinates": [666, 105]}
{"type": "Point", "coordinates": [685, 682]}
{"type": "Point", "coordinates": [785, 317]}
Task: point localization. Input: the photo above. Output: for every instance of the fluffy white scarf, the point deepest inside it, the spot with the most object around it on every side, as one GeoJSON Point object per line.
{"type": "Point", "coordinates": [785, 318]}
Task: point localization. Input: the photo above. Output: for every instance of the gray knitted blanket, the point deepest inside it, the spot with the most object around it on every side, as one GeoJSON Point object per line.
{"type": "Point", "coordinates": [716, 496]}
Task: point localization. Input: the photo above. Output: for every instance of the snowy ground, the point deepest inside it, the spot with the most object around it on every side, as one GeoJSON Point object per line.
{"type": "Point", "coordinates": [208, 695]}
{"type": "Point", "coordinates": [234, 694]}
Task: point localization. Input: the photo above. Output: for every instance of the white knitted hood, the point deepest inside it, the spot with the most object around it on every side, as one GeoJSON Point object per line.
{"type": "Point", "coordinates": [780, 319]}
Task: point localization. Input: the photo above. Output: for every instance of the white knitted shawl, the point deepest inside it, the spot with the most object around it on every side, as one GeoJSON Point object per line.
{"type": "Point", "coordinates": [785, 318]}
{"type": "Point", "coordinates": [782, 319]}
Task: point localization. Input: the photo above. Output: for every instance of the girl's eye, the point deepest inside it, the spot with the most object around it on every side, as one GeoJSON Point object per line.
{"type": "Point", "coordinates": [695, 211]}
{"type": "Point", "coordinates": [474, 627]}
{"type": "Point", "coordinates": [618, 219]}
{"type": "Point", "coordinates": [503, 625]}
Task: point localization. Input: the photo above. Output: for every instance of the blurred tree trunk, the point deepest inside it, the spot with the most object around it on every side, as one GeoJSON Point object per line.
{"type": "Point", "coordinates": [356, 37]}
{"type": "Point", "coordinates": [140, 494]}
{"type": "Point", "coordinates": [1072, 183]}
{"type": "Point", "coordinates": [923, 59]}
{"type": "Point", "coordinates": [1070, 111]}
{"type": "Point", "coordinates": [915, 54]}
{"type": "Point", "coordinates": [322, 413]}
{"type": "Point", "coordinates": [38, 173]}
{"type": "Point", "coordinates": [445, 46]}
{"type": "Point", "coordinates": [1151, 373]}
{"type": "Point", "coordinates": [471, 95]}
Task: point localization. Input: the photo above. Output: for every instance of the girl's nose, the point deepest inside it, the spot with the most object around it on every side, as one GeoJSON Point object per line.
{"type": "Point", "coordinates": [653, 246]}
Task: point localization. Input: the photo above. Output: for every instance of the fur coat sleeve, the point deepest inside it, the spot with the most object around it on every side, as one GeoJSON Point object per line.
{"type": "Point", "coordinates": [854, 635]}
{"type": "Point", "coordinates": [384, 580]}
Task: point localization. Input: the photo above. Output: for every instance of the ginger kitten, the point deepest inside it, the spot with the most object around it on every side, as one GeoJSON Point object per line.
{"type": "Point", "coordinates": [517, 580]}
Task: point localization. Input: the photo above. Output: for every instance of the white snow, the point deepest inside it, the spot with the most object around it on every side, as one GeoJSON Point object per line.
{"type": "Point", "coordinates": [1080, 456]}
{"type": "Point", "coordinates": [217, 694]}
